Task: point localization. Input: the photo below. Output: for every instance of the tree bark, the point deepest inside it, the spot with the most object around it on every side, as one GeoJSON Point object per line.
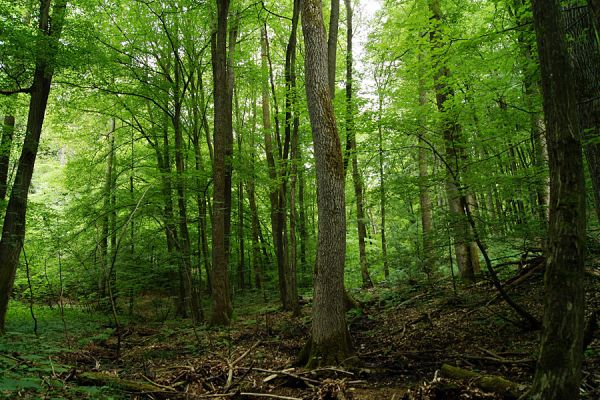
{"type": "Point", "coordinates": [558, 373]}
{"type": "Point", "coordinates": [13, 229]}
{"type": "Point", "coordinates": [222, 308]}
{"type": "Point", "coordinates": [330, 342]}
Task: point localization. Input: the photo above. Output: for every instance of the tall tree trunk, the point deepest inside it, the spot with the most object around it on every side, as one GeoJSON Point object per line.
{"type": "Point", "coordinates": [254, 221]}
{"type": "Point", "coordinates": [163, 158]}
{"type": "Point", "coordinates": [352, 154]}
{"type": "Point", "coordinates": [13, 229]}
{"type": "Point", "coordinates": [558, 373]}
{"type": "Point", "coordinates": [292, 124]}
{"type": "Point", "coordinates": [107, 221]}
{"type": "Point", "coordinates": [222, 308]}
{"type": "Point", "coordinates": [467, 256]}
{"type": "Point", "coordinates": [190, 294]}
{"type": "Point", "coordinates": [200, 124]}
{"type": "Point", "coordinates": [424, 200]}
{"type": "Point", "coordinates": [241, 267]}
{"type": "Point", "coordinates": [330, 342]}
{"type": "Point", "coordinates": [334, 23]}
{"type": "Point", "coordinates": [386, 269]}
{"type": "Point", "coordinates": [276, 195]}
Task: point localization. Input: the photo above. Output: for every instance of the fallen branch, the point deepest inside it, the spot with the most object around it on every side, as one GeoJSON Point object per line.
{"type": "Point", "coordinates": [232, 364]}
{"type": "Point", "coordinates": [99, 379]}
{"type": "Point", "coordinates": [270, 396]}
{"type": "Point", "coordinates": [488, 383]}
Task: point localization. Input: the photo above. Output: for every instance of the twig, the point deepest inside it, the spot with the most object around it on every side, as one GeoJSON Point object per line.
{"type": "Point", "coordinates": [309, 381]}
{"type": "Point", "coordinates": [334, 370]}
{"type": "Point", "coordinates": [158, 384]}
{"type": "Point", "coordinates": [35, 322]}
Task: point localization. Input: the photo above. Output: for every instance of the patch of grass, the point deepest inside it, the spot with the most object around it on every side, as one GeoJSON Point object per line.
{"type": "Point", "coordinates": [29, 364]}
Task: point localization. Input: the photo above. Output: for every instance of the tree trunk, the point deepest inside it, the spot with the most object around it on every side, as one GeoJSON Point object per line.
{"type": "Point", "coordinates": [292, 124]}
{"type": "Point", "coordinates": [254, 221]}
{"type": "Point", "coordinates": [558, 373]}
{"type": "Point", "coordinates": [424, 200]}
{"type": "Point", "coordinates": [334, 18]}
{"type": "Point", "coordinates": [466, 252]}
{"type": "Point", "coordinates": [277, 181]}
{"type": "Point", "coordinates": [13, 229]}
{"type": "Point", "coordinates": [241, 265]}
{"type": "Point", "coordinates": [190, 294]}
{"type": "Point", "coordinates": [586, 56]}
{"type": "Point", "coordinates": [386, 269]}
{"type": "Point", "coordinates": [352, 154]}
{"type": "Point", "coordinates": [330, 342]}
{"type": "Point", "coordinates": [222, 308]}
{"type": "Point", "coordinates": [201, 123]}
{"type": "Point", "coordinates": [108, 221]}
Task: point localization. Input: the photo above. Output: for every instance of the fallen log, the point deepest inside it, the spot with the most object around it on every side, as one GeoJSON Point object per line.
{"type": "Point", "coordinates": [100, 379]}
{"type": "Point", "coordinates": [488, 383]}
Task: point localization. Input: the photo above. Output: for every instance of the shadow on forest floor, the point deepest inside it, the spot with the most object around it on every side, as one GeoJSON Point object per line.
{"type": "Point", "coordinates": [402, 338]}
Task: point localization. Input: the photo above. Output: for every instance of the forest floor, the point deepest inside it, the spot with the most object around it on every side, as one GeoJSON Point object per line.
{"type": "Point", "coordinates": [402, 337]}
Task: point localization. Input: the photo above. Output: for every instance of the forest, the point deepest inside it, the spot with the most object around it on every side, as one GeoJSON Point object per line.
{"type": "Point", "coordinates": [303, 199]}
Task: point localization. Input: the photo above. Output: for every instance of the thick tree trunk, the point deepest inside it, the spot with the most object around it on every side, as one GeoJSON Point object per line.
{"type": "Point", "coordinates": [13, 229]}
{"type": "Point", "coordinates": [352, 154]}
{"type": "Point", "coordinates": [222, 308]}
{"type": "Point", "coordinates": [558, 373]}
{"type": "Point", "coordinates": [330, 342]}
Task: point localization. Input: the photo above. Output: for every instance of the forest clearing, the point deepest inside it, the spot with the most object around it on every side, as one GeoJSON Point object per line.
{"type": "Point", "coordinates": [303, 199]}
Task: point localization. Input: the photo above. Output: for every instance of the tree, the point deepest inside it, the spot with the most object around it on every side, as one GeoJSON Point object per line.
{"type": "Point", "coordinates": [222, 308]}
{"type": "Point", "coordinates": [467, 255]}
{"type": "Point", "coordinates": [330, 341]}
{"type": "Point", "coordinates": [558, 372]}
{"type": "Point", "coordinates": [351, 152]}
{"type": "Point", "coordinates": [13, 230]}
